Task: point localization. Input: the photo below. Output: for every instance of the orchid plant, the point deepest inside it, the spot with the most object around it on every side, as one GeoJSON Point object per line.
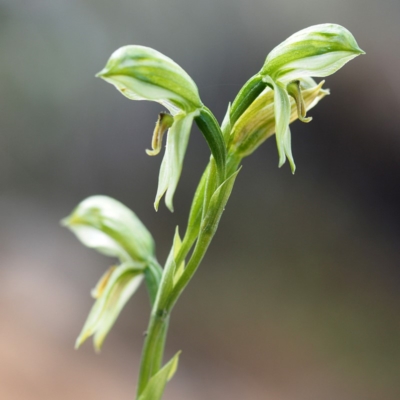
{"type": "Point", "coordinates": [281, 92]}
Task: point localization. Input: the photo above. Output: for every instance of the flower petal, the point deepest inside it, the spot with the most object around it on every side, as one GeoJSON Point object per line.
{"type": "Point", "coordinates": [120, 285]}
{"type": "Point", "coordinates": [282, 118]}
{"type": "Point", "coordinates": [111, 228]}
{"type": "Point", "coordinates": [318, 51]}
{"type": "Point", "coordinates": [142, 73]}
{"type": "Point", "coordinates": [171, 166]}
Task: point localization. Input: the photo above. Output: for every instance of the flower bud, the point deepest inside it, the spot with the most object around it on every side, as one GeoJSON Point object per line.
{"type": "Point", "coordinates": [111, 228]}
{"type": "Point", "coordinates": [317, 51]}
{"type": "Point", "coordinates": [142, 73]}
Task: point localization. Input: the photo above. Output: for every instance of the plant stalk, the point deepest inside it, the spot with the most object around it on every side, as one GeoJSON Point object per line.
{"type": "Point", "coordinates": [153, 349]}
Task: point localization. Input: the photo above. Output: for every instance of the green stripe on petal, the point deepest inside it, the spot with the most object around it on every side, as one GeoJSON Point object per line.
{"type": "Point", "coordinates": [318, 51]}
{"type": "Point", "coordinates": [107, 225]}
{"type": "Point", "coordinates": [142, 73]}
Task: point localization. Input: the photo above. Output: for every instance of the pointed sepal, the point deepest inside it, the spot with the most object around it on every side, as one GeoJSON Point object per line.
{"type": "Point", "coordinates": [112, 292]}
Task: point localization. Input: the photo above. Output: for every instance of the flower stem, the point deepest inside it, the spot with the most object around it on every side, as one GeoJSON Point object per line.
{"type": "Point", "coordinates": [153, 349]}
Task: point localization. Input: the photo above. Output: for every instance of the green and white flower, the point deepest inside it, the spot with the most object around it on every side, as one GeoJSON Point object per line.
{"type": "Point", "coordinates": [317, 51]}
{"type": "Point", "coordinates": [105, 224]}
{"type": "Point", "coordinates": [111, 228]}
{"type": "Point", "coordinates": [142, 73]}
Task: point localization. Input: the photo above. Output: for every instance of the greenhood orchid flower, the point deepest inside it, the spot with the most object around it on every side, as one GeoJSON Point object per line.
{"type": "Point", "coordinates": [106, 225]}
{"type": "Point", "coordinates": [142, 73]}
{"type": "Point", "coordinates": [317, 51]}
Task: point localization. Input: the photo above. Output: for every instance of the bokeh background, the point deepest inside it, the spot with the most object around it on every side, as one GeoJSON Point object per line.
{"type": "Point", "coordinates": [298, 297]}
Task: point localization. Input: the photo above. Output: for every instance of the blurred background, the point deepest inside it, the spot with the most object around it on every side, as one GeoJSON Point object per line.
{"type": "Point", "coordinates": [298, 297]}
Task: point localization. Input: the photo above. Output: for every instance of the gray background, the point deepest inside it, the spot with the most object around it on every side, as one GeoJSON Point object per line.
{"type": "Point", "coordinates": [298, 297]}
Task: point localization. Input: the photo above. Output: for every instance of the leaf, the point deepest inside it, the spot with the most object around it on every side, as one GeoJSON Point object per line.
{"type": "Point", "coordinates": [217, 205]}
{"type": "Point", "coordinates": [248, 93]}
{"type": "Point", "coordinates": [196, 210]}
{"type": "Point", "coordinates": [177, 246]}
{"type": "Point", "coordinates": [167, 280]}
{"type": "Point", "coordinates": [215, 140]}
{"type": "Point", "coordinates": [156, 385]}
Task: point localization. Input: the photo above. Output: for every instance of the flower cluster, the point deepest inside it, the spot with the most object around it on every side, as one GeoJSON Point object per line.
{"type": "Point", "coordinates": [281, 92]}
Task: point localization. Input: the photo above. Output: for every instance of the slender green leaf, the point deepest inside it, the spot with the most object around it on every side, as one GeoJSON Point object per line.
{"type": "Point", "coordinates": [249, 92]}
{"type": "Point", "coordinates": [167, 281]}
{"type": "Point", "coordinates": [177, 246]}
{"type": "Point", "coordinates": [156, 386]}
{"type": "Point", "coordinates": [217, 205]}
{"type": "Point", "coordinates": [213, 135]}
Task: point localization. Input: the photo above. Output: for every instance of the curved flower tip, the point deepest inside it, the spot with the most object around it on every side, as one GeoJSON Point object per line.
{"type": "Point", "coordinates": [317, 51]}
{"type": "Point", "coordinates": [105, 224]}
{"type": "Point", "coordinates": [142, 73]}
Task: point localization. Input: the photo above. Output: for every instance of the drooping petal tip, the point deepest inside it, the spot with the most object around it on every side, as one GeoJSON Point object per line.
{"type": "Point", "coordinates": [102, 73]}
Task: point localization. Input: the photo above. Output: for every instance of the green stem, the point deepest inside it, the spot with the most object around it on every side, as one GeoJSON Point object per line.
{"type": "Point", "coordinates": [153, 349]}
{"type": "Point", "coordinates": [203, 242]}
